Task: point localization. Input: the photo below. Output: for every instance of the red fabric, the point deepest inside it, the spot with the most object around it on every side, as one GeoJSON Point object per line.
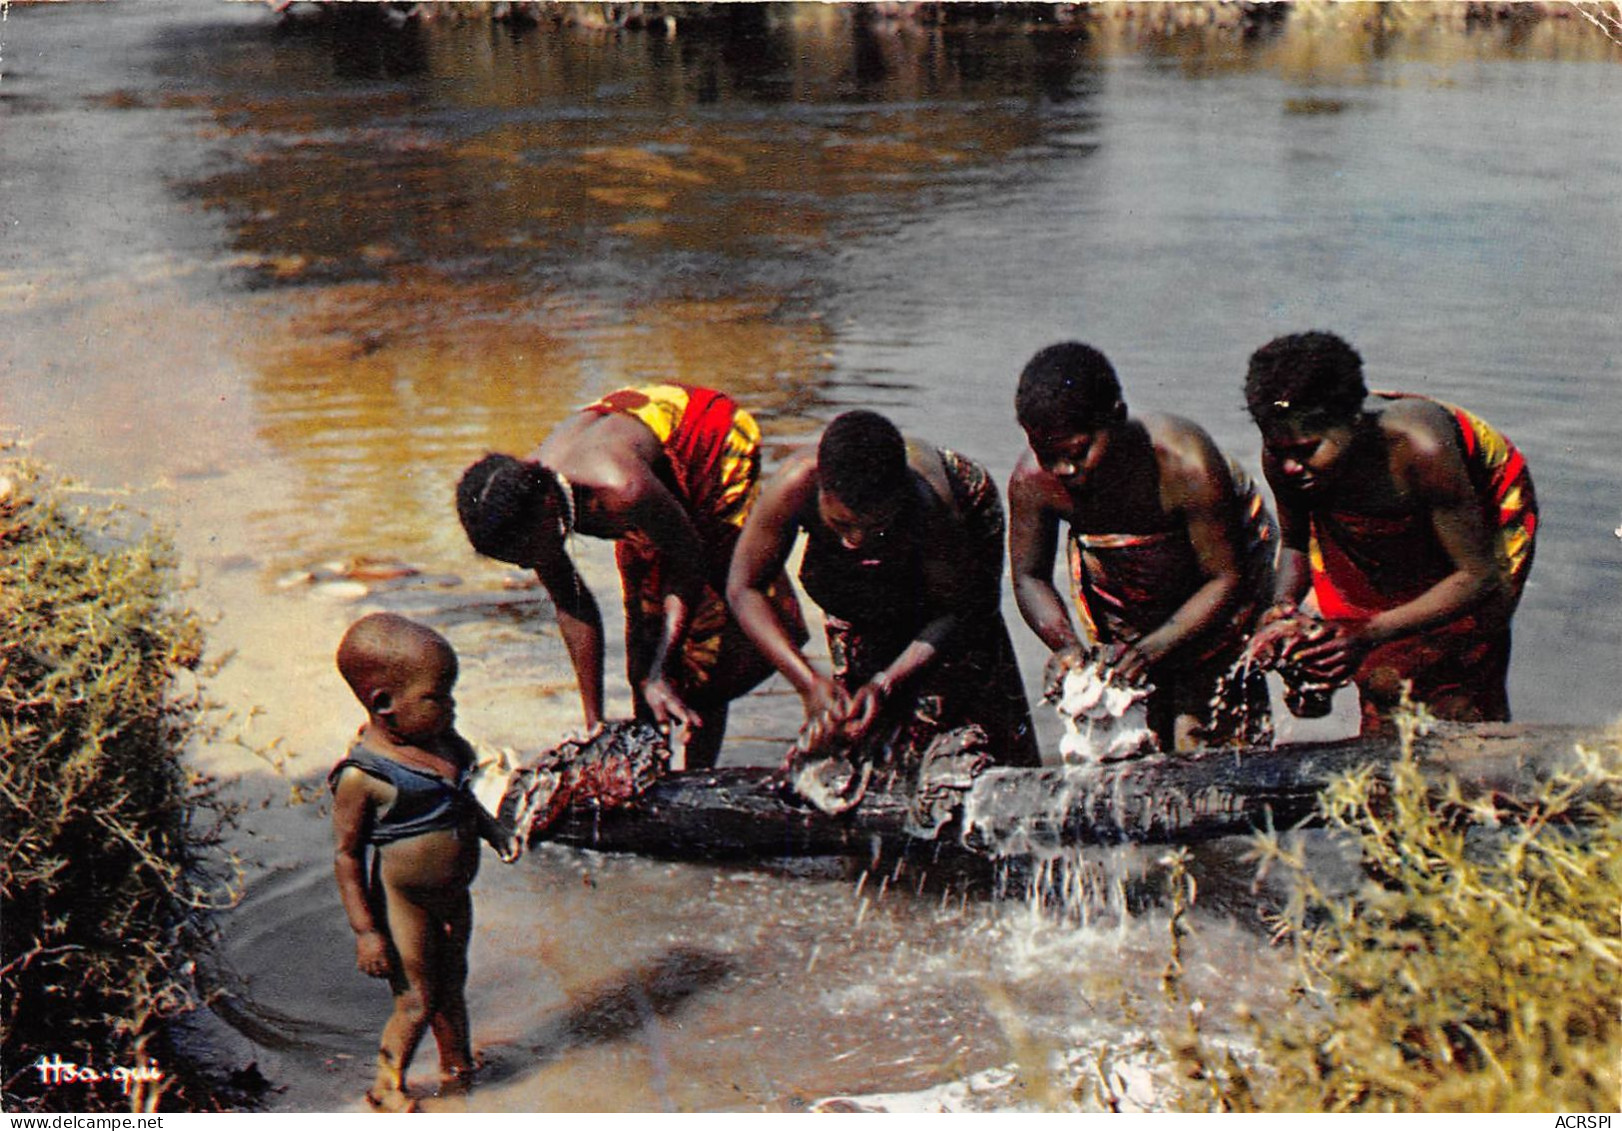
{"type": "Point", "coordinates": [1366, 564]}
{"type": "Point", "coordinates": [697, 449]}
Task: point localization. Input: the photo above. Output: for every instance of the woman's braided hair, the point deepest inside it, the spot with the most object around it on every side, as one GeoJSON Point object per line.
{"type": "Point", "coordinates": [497, 496]}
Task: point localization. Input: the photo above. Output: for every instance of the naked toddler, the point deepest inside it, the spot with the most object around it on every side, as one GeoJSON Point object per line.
{"type": "Point", "coordinates": [402, 788]}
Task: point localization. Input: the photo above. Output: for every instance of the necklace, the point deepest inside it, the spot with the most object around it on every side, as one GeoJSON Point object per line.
{"type": "Point", "coordinates": [566, 520]}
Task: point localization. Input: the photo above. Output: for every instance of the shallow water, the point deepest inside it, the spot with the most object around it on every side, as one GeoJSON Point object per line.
{"type": "Point", "coordinates": [283, 280]}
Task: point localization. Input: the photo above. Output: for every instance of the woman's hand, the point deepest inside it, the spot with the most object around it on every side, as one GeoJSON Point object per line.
{"type": "Point", "coordinates": [827, 708]}
{"type": "Point", "coordinates": [667, 707]}
{"type": "Point", "coordinates": [1128, 662]}
{"type": "Point", "coordinates": [1283, 610]}
{"type": "Point", "coordinates": [824, 697]}
{"type": "Point", "coordinates": [1060, 664]}
{"type": "Point", "coordinates": [865, 706]}
{"type": "Point", "coordinates": [1333, 654]}
{"type": "Point", "coordinates": [1271, 643]}
{"type": "Point", "coordinates": [819, 730]}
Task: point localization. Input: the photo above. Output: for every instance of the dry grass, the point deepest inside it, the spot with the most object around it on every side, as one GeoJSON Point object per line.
{"type": "Point", "coordinates": [1479, 968]}
{"type": "Point", "coordinates": [105, 899]}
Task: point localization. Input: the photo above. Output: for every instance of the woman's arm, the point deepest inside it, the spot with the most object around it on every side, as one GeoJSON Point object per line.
{"type": "Point", "coordinates": [1433, 470]}
{"type": "Point", "coordinates": [648, 507]}
{"type": "Point", "coordinates": [1197, 487]}
{"type": "Point", "coordinates": [1033, 542]}
{"type": "Point", "coordinates": [968, 537]}
{"type": "Point", "coordinates": [762, 551]}
{"type": "Point", "coordinates": [580, 623]}
{"type": "Point", "coordinates": [1293, 576]}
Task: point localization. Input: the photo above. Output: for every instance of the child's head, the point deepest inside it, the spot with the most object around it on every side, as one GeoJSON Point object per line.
{"type": "Point", "coordinates": [403, 674]}
{"type": "Point", "coordinates": [862, 460]}
{"type": "Point", "coordinates": [1069, 404]}
{"type": "Point", "coordinates": [862, 477]}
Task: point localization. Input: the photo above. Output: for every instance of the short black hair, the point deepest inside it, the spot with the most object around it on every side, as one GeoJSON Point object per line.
{"type": "Point", "coordinates": [862, 460]}
{"type": "Point", "coordinates": [1310, 376]}
{"type": "Point", "coordinates": [1067, 385]}
{"type": "Point", "coordinates": [496, 496]}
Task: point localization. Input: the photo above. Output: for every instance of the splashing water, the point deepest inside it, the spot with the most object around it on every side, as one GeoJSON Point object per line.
{"type": "Point", "coordinates": [1240, 707]}
{"type": "Point", "coordinates": [1268, 699]}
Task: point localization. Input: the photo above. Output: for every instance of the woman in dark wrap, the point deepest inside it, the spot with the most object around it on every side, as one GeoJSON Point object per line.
{"type": "Point", "coordinates": [904, 555]}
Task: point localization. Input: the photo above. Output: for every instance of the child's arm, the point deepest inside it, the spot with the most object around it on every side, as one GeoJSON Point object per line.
{"type": "Point", "coordinates": [509, 845]}
{"type": "Point", "coordinates": [354, 803]}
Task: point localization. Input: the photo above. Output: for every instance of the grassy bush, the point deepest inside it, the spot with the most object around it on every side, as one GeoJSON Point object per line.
{"type": "Point", "coordinates": [104, 827]}
{"type": "Point", "coordinates": [1480, 969]}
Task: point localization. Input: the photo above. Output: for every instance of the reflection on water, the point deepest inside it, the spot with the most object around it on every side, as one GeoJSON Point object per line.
{"type": "Point", "coordinates": [463, 229]}
{"type": "Point", "coordinates": [484, 227]}
{"type": "Point", "coordinates": [421, 241]}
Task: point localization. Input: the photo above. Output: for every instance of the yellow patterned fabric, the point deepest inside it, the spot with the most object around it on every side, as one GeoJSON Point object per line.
{"type": "Point", "coordinates": [711, 463]}
{"type": "Point", "coordinates": [712, 444]}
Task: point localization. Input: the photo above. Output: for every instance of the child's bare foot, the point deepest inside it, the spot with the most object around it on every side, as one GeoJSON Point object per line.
{"type": "Point", "coordinates": [390, 1099]}
{"type": "Point", "coordinates": [456, 1081]}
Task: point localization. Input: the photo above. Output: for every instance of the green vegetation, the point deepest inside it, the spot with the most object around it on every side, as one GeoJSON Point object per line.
{"type": "Point", "coordinates": [1479, 969]}
{"type": "Point", "coordinates": [105, 899]}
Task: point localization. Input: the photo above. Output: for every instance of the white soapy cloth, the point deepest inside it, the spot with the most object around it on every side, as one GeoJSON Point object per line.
{"type": "Point", "coordinates": [1105, 718]}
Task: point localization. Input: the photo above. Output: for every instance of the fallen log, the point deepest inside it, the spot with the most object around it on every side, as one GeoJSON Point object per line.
{"type": "Point", "coordinates": [1184, 800]}
{"type": "Point", "coordinates": [731, 813]}
{"type": "Point", "coordinates": [747, 812]}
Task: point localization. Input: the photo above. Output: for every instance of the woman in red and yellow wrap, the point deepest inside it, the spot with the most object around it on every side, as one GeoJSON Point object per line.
{"type": "Point", "coordinates": [668, 473]}
{"type": "Point", "coordinates": [1412, 523]}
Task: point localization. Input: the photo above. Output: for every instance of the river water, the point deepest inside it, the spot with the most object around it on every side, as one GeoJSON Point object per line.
{"type": "Point", "coordinates": [275, 282]}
